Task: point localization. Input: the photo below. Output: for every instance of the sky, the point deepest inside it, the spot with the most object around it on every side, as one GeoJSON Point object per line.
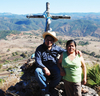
{"type": "Point", "coordinates": [56, 6]}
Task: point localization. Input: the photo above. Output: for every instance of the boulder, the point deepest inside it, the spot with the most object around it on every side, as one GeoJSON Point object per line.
{"type": "Point", "coordinates": [28, 86]}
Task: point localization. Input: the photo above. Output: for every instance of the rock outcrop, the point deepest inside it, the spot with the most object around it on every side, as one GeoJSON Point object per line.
{"type": "Point", "coordinates": [28, 86]}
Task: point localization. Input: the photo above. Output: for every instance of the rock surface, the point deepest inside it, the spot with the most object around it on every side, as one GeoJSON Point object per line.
{"type": "Point", "coordinates": [28, 85]}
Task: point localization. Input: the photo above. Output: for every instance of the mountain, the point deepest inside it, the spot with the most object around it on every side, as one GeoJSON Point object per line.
{"type": "Point", "coordinates": [80, 24]}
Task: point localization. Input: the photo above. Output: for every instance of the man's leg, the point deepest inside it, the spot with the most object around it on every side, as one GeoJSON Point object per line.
{"type": "Point", "coordinates": [39, 74]}
{"type": "Point", "coordinates": [56, 78]}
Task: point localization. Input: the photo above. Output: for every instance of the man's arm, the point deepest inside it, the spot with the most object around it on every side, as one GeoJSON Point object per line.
{"type": "Point", "coordinates": [39, 63]}
{"type": "Point", "coordinates": [60, 50]}
{"type": "Point", "coordinates": [38, 59]}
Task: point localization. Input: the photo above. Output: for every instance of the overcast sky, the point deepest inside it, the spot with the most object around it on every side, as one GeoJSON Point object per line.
{"type": "Point", "coordinates": [56, 6]}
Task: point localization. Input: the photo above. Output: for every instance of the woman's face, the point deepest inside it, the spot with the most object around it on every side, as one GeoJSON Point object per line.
{"type": "Point", "coordinates": [71, 48]}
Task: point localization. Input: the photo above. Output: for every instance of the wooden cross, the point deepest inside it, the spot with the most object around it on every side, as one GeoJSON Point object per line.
{"type": "Point", "coordinates": [48, 17]}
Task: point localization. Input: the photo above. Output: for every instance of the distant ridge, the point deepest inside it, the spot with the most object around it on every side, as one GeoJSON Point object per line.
{"type": "Point", "coordinates": [74, 14]}
{"type": "Point", "coordinates": [80, 24]}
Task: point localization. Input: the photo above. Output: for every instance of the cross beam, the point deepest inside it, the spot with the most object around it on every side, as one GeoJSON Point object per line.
{"type": "Point", "coordinates": [48, 17]}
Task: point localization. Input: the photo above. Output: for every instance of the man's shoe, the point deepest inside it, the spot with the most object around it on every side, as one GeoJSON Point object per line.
{"type": "Point", "coordinates": [47, 94]}
{"type": "Point", "coordinates": [53, 92]}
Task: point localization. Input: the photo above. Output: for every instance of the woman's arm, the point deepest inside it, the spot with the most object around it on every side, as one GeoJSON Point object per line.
{"type": "Point", "coordinates": [84, 70]}
{"type": "Point", "coordinates": [62, 71]}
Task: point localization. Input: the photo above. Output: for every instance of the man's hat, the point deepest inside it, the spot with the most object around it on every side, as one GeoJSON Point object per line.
{"type": "Point", "coordinates": [52, 34]}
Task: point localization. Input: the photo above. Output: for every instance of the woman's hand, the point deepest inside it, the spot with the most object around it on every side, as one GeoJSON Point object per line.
{"type": "Point", "coordinates": [84, 81]}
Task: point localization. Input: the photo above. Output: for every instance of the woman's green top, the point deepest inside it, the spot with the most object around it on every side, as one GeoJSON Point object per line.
{"type": "Point", "coordinates": [72, 68]}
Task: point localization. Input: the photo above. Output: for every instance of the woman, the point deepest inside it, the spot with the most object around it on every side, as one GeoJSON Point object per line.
{"type": "Point", "coordinates": [71, 65]}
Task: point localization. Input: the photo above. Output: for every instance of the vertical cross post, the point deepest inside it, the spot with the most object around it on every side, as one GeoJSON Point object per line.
{"type": "Point", "coordinates": [48, 21]}
{"type": "Point", "coordinates": [48, 17]}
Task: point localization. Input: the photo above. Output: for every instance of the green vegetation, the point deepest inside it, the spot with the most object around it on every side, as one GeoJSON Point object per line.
{"type": "Point", "coordinates": [91, 54]}
{"type": "Point", "coordinates": [14, 53]}
{"type": "Point", "coordinates": [8, 50]}
{"type": "Point", "coordinates": [21, 73]}
{"type": "Point", "coordinates": [85, 26]}
{"type": "Point", "coordinates": [93, 76]}
{"type": "Point", "coordinates": [2, 80]}
{"type": "Point", "coordinates": [0, 66]}
{"type": "Point", "coordinates": [23, 55]}
{"type": "Point", "coordinates": [9, 68]}
{"type": "Point", "coordinates": [61, 42]}
{"type": "Point", "coordinates": [5, 33]}
{"type": "Point", "coordinates": [6, 61]}
{"type": "Point", "coordinates": [82, 43]}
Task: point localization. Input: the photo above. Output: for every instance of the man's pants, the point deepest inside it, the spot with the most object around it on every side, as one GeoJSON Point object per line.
{"type": "Point", "coordinates": [42, 79]}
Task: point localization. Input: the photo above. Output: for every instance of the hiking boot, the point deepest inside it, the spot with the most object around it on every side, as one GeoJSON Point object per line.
{"type": "Point", "coordinates": [47, 94]}
{"type": "Point", "coordinates": [53, 92]}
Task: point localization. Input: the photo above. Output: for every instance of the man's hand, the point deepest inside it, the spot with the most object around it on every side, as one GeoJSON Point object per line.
{"type": "Point", "coordinates": [62, 72]}
{"type": "Point", "coordinates": [78, 52]}
{"type": "Point", "coordinates": [47, 72]}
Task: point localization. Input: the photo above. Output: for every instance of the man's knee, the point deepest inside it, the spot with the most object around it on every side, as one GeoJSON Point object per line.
{"type": "Point", "coordinates": [38, 70]}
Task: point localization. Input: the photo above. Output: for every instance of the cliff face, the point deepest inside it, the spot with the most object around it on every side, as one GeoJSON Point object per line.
{"type": "Point", "coordinates": [28, 85]}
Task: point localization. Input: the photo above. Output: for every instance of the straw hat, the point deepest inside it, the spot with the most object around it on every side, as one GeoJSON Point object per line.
{"type": "Point", "coordinates": [53, 34]}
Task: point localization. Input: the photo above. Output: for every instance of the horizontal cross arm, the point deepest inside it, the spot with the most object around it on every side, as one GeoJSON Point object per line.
{"type": "Point", "coordinates": [61, 17]}
{"type": "Point", "coordinates": [35, 16]}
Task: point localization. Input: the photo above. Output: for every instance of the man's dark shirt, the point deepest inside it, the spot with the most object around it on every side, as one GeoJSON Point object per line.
{"type": "Point", "coordinates": [47, 58]}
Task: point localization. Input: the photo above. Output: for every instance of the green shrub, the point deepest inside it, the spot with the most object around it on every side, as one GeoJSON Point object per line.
{"type": "Point", "coordinates": [6, 61]}
{"type": "Point", "coordinates": [11, 72]}
{"type": "Point", "coordinates": [16, 53]}
{"type": "Point", "coordinates": [2, 80]}
{"type": "Point", "coordinates": [9, 68]}
{"type": "Point", "coordinates": [82, 43]}
{"type": "Point", "coordinates": [61, 42]}
{"type": "Point", "coordinates": [92, 54]}
{"type": "Point", "coordinates": [13, 54]}
{"type": "Point", "coordinates": [93, 76]}
{"type": "Point", "coordinates": [23, 55]}
{"type": "Point", "coordinates": [21, 73]}
{"type": "Point", "coordinates": [0, 66]}
{"type": "Point", "coordinates": [8, 50]}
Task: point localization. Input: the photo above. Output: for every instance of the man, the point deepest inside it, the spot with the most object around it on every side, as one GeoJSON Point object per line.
{"type": "Point", "coordinates": [46, 60]}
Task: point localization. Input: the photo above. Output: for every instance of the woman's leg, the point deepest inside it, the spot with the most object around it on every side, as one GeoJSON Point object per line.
{"type": "Point", "coordinates": [72, 89]}
{"type": "Point", "coordinates": [68, 88]}
{"type": "Point", "coordinates": [77, 89]}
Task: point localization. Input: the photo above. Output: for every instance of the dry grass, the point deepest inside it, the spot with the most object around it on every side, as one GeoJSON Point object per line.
{"type": "Point", "coordinates": [23, 43]}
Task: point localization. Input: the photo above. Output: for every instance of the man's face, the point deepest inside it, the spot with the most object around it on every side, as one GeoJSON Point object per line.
{"type": "Point", "coordinates": [49, 41]}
